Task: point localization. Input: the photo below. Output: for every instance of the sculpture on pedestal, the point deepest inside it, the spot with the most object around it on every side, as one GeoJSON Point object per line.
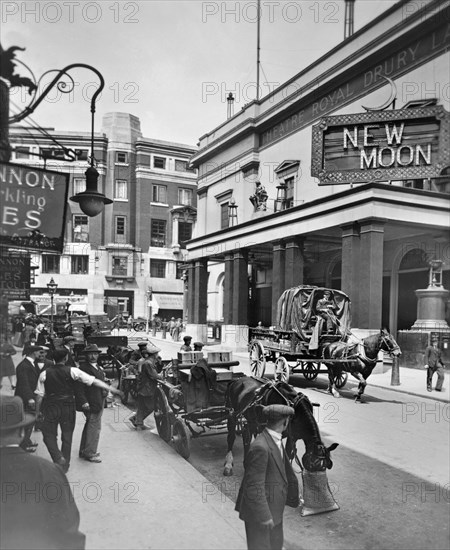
{"type": "Point", "coordinates": [259, 198]}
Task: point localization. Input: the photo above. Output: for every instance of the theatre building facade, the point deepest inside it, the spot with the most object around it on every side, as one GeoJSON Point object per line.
{"type": "Point", "coordinates": [338, 178]}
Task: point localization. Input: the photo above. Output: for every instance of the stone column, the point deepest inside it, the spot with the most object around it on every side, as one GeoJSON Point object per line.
{"type": "Point", "coordinates": [278, 276]}
{"type": "Point", "coordinates": [240, 289]}
{"type": "Point", "coordinates": [294, 263]}
{"type": "Point", "coordinates": [371, 274]}
{"type": "Point", "coordinates": [228, 291]}
{"type": "Point", "coordinates": [200, 292]}
{"type": "Point", "coordinates": [350, 267]}
{"type": "Point", "coordinates": [175, 237]}
{"type": "Point", "coordinates": [191, 292]}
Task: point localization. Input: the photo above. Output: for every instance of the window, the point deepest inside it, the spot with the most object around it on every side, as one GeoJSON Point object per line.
{"type": "Point", "coordinates": [82, 154]}
{"type": "Point", "coordinates": [121, 157]}
{"type": "Point", "coordinates": [159, 193]}
{"type": "Point", "coordinates": [22, 152]}
{"type": "Point", "coordinates": [184, 232]}
{"type": "Point", "coordinates": [185, 196]}
{"type": "Point", "coordinates": [49, 153]}
{"type": "Point", "coordinates": [121, 190]}
{"type": "Point", "coordinates": [79, 185]}
{"type": "Point", "coordinates": [181, 166]}
{"type": "Point", "coordinates": [159, 162]}
{"type": "Point", "coordinates": [119, 265]}
{"type": "Point", "coordinates": [158, 233]}
{"type": "Point", "coordinates": [120, 229]}
{"type": "Point", "coordinates": [80, 265]}
{"type": "Point", "coordinates": [289, 192]}
{"type": "Point", "coordinates": [158, 268]}
{"type": "Point", "coordinates": [80, 229]}
{"type": "Point", "coordinates": [224, 218]}
{"type": "Point", "coordinates": [50, 263]}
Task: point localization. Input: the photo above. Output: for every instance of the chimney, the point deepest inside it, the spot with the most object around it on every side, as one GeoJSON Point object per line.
{"type": "Point", "coordinates": [230, 105]}
{"type": "Point", "coordinates": [349, 18]}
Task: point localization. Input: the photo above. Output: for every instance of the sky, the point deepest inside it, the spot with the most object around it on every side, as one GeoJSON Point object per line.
{"type": "Point", "coordinates": [171, 63]}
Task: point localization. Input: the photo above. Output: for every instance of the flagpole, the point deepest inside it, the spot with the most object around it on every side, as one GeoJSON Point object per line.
{"type": "Point", "coordinates": [258, 48]}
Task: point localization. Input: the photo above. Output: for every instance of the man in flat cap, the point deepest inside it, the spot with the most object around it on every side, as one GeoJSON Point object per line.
{"type": "Point", "coordinates": [146, 387]}
{"type": "Point", "coordinates": [69, 344]}
{"type": "Point", "coordinates": [27, 377]}
{"type": "Point", "coordinates": [198, 346]}
{"type": "Point", "coordinates": [95, 396]}
{"type": "Point", "coordinates": [186, 343]}
{"type": "Point", "coordinates": [37, 508]}
{"type": "Point", "coordinates": [269, 483]}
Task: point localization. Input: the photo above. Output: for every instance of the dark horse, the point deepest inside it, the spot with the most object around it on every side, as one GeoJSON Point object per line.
{"type": "Point", "coordinates": [244, 398]}
{"type": "Point", "coordinates": [114, 359]}
{"type": "Point", "coordinates": [362, 357]}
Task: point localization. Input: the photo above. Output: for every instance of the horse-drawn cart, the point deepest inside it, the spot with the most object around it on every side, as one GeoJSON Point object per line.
{"type": "Point", "coordinates": [191, 399]}
{"type": "Point", "coordinates": [309, 318]}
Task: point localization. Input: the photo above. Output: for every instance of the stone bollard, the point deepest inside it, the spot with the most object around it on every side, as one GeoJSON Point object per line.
{"type": "Point", "coordinates": [395, 373]}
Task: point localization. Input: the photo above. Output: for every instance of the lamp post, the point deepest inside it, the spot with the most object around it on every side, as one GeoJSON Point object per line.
{"type": "Point", "coordinates": [149, 297]}
{"type": "Point", "coordinates": [52, 288]}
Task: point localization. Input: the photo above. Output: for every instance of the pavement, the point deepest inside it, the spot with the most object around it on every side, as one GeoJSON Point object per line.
{"type": "Point", "coordinates": [144, 495]}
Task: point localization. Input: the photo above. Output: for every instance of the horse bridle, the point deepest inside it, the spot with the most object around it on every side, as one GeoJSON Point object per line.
{"type": "Point", "coordinates": [387, 342]}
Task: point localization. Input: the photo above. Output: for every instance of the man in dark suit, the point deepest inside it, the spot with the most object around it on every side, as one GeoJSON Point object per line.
{"type": "Point", "coordinates": [95, 396]}
{"type": "Point", "coordinates": [269, 483]}
{"type": "Point", "coordinates": [68, 344]}
{"type": "Point", "coordinates": [37, 509]}
{"type": "Point", "coordinates": [27, 377]}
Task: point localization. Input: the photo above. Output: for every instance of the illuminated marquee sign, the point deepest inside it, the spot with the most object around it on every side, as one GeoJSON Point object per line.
{"type": "Point", "coordinates": [381, 146]}
{"type": "Point", "coordinates": [32, 207]}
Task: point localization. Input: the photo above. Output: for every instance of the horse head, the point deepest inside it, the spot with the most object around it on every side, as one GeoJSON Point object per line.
{"type": "Point", "coordinates": [303, 426]}
{"type": "Point", "coordinates": [388, 343]}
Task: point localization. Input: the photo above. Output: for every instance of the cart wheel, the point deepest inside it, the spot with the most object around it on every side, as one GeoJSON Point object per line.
{"type": "Point", "coordinates": [162, 417]}
{"type": "Point", "coordinates": [282, 370]}
{"type": "Point", "coordinates": [340, 380]}
{"type": "Point", "coordinates": [311, 370]}
{"type": "Point", "coordinates": [181, 439]}
{"type": "Point", "coordinates": [140, 327]}
{"type": "Point", "coordinates": [257, 359]}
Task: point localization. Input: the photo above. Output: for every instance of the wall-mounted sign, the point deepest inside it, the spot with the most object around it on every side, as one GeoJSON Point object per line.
{"type": "Point", "coordinates": [15, 277]}
{"type": "Point", "coordinates": [381, 146]}
{"type": "Point", "coordinates": [32, 207]}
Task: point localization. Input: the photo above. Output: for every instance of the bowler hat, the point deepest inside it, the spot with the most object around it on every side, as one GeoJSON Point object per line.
{"type": "Point", "coordinates": [277, 412]}
{"type": "Point", "coordinates": [68, 339]}
{"type": "Point", "coordinates": [92, 348]}
{"type": "Point", "coordinates": [12, 415]}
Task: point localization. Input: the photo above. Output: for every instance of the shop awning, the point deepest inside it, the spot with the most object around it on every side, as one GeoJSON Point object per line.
{"type": "Point", "coordinates": [80, 306]}
{"type": "Point", "coordinates": [169, 301]}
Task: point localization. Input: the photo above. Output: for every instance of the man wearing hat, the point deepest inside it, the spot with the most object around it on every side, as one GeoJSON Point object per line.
{"type": "Point", "coordinates": [187, 343]}
{"type": "Point", "coordinates": [69, 344]}
{"type": "Point", "coordinates": [37, 508]}
{"type": "Point", "coordinates": [95, 396]}
{"type": "Point", "coordinates": [434, 364]}
{"type": "Point", "coordinates": [58, 386]}
{"type": "Point", "coordinates": [198, 346]}
{"type": "Point", "coordinates": [142, 346]}
{"type": "Point", "coordinates": [27, 377]}
{"type": "Point", "coordinates": [269, 483]}
{"type": "Point", "coordinates": [146, 387]}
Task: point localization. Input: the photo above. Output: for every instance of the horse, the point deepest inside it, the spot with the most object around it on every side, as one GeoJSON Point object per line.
{"type": "Point", "coordinates": [244, 398]}
{"type": "Point", "coordinates": [118, 356]}
{"type": "Point", "coordinates": [362, 357]}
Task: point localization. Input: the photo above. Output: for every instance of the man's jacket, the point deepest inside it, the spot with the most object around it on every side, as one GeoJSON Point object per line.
{"type": "Point", "coordinates": [94, 395]}
{"type": "Point", "coordinates": [269, 483]}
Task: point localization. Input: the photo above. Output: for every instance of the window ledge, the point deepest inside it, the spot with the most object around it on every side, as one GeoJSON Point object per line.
{"type": "Point", "coordinates": [120, 200]}
{"type": "Point", "coordinates": [116, 278]}
{"type": "Point", "coordinates": [163, 204]}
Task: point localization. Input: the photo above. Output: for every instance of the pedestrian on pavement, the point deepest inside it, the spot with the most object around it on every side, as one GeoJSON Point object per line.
{"type": "Point", "coordinates": [146, 387]}
{"type": "Point", "coordinates": [269, 483]}
{"type": "Point", "coordinates": [28, 330]}
{"type": "Point", "coordinates": [177, 330]}
{"type": "Point", "coordinates": [7, 368]}
{"type": "Point", "coordinates": [95, 396]}
{"type": "Point", "coordinates": [18, 332]}
{"type": "Point", "coordinates": [187, 343]}
{"type": "Point", "coordinates": [27, 377]}
{"type": "Point", "coordinates": [434, 364]}
{"type": "Point", "coordinates": [56, 395]}
{"type": "Point", "coordinates": [37, 509]}
{"type": "Point", "coordinates": [69, 344]}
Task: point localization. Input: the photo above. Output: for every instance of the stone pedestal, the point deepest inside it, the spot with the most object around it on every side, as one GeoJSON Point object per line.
{"type": "Point", "coordinates": [198, 332]}
{"type": "Point", "coordinates": [431, 309]}
{"type": "Point", "coordinates": [235, 337]}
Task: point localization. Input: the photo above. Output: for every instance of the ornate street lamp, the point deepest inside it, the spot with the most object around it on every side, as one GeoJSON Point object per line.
{"type": "Point", "coordinates": [52, 288]}
{"type": "Point", "coordinates": [91, 201]}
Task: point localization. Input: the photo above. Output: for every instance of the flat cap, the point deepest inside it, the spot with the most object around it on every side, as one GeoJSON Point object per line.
{"type": "Point", "coordinates": [29, 348]}
{"type": "Point", "coordinates": [151, 349]}
{"type": "Point", "coordinates": [187, 338]}
{"type": "Point", "coordinates": [92, 348]}
{"type": "Point", "coordinates": [142, 344]}
{"type": "Point", "coordinates": [277, 412]}
{"type": "Point", "coordinates": [68, 339]}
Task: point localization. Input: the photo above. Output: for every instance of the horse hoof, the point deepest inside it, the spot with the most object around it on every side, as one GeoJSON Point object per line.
{"type": "Point", "coordinates": [358, 399]}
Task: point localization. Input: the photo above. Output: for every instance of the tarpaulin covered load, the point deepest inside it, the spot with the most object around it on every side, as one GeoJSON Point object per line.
{"type": "Point", "coordinates": [296, 308]}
